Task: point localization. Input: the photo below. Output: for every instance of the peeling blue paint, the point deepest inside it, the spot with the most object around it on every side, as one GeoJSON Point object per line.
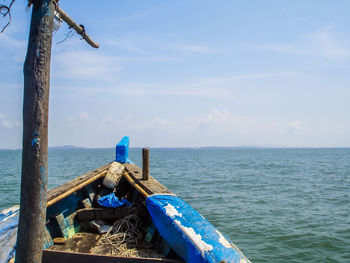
{"type": "Point", "coordinates": [190, 235]}
{"type": "Point", "coordinates": [36, 139]}
{"type": "Point", "coordinates": [43, 171]}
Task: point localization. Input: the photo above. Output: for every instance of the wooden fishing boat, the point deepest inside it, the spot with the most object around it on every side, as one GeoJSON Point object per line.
{"type": "Point", "coordinates": [147, 223]}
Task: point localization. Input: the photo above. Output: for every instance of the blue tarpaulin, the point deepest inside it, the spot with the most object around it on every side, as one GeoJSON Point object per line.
{"type": "Point", "coordinates": [190, 235]}
{"type": "Point", "coordinates": [112, 201]}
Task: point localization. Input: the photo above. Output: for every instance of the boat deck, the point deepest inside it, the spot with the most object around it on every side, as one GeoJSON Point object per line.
{"type": "Point", "coordinates": [86, 247]}
{"type": "Point", "coordinates": [91, 243]}
{"type": "Point", "coordinates": [90, 246]}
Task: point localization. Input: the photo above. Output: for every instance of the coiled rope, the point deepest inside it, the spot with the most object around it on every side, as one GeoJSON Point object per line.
{"type": "Point", "coordinates": [124, 232]}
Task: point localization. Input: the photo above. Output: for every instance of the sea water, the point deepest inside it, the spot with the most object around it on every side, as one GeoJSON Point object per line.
{"type": "Point", "coordinates": [276, 205]}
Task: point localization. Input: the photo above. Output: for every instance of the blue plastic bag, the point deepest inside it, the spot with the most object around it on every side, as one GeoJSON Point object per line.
{"type": "Point", "coordinates": [112, 201]}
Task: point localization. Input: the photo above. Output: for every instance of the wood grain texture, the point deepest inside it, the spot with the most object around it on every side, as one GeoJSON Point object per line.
{"type": "Point", "coordinates": [151, 186]}
{"type": "Point", "coordinates": [30, 237]}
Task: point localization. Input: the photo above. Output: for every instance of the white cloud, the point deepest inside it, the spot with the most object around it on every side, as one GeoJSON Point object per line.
{"type": "Point", "coordinates": [88, 65]}
{"type": "Point", "coordinates": [13, 48]}
{"type": "Point", "coordinates": [298, 127]}
{"type": "Point", "coordinates": [223, 121]}
{"type": "Point", "coordinates": [7, 124]}
{"type": "Point", "coordinates": [159, 122]}
{"type": "Point", "coordinates": [144, 45]}
{"type": "Point", "coordinates": [247, 76]}
{"type": "Point", "coordinates": [117, 22]}
{"type": "Point", "coordinates": [213, 88]}
{"type": "Point", "coordinates": [296, 124]}
{"type": "Point", "coordinates": [217, 127]}
{"type": "Point", "coordinates": [190, 48]}
{"type": "Point", "coordinates": [325, 42]}
{"type": "Point", "coordinates": [330, 44]}
{"type": "Point", "coordinates": [79, 119]}
{"type": "Point", "coordinates": [84, 116]}
{"type": "Point", "coordinates": [127, 44]}
{"type": "Point", "coordinates": [7, 41]}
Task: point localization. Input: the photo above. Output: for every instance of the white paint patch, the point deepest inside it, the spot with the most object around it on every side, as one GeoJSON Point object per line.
{"type": "Point", "coordinates": [7, 218]}
{"type": "Point", "coordinates": [11, 209]}
{"type": "Point", "coordinates": [9, 212]}
{"type": "Point", "coordinates": [195, 238]}
{"type": "Point", "coordinates": [223, 240]}
{"type": "Point", "coordinates": [171, 211]}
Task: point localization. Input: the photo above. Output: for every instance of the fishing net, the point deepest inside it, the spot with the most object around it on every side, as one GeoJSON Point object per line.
{"type": "Point", "coordinates": [124, 235]}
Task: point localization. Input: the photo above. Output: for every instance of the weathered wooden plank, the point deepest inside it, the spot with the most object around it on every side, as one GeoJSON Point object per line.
{"type": "Point", "coordinates": [151, 186]}
{"type": "Point", "coordinates": [55, 192]}
{"type": "Point", "coordinates": [50, 256]}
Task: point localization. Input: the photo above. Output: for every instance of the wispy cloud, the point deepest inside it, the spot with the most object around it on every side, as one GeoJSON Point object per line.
{"type": "Point", "coordinates": [129, 45]}
{"type": "Point", "coordinates": [209, 87]}
{"type": "Point", "coordinates": [145, 45]}
{"type": "Point", "coordinates": [77, 120]}
{"type": "Point", "coordinates": [191, 48]}
{"type": "Point", "coordinates": [7, 41]}
{"type": "Point", "coordinates": [7, 123]}
{"type": "Point", "coordinates": [214, 127]}
{"type": "Point", "coordinates": [86, 65]}
{"type": "Point", "coordinates": [226, 122]}
{"type": "Point", "coordinates": [325, 42]}
{"type": "Point", "coordinates": [248, 76]}
{"type": "Point", "coordinates": [215, 120]}
{"type": "Point", "coordinates": [122, 21]}
{"type": "Point", "coordinates": [16, 48]}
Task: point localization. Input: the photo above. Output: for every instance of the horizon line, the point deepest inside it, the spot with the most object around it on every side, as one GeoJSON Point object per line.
{"type": "Point", "coordinates": [72, 147]}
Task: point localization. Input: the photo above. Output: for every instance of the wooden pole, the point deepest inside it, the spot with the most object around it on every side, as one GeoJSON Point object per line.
{"type": "Point", "coordinates": [145, 163]}
{"type": "Point", "coordinates": [78, 28]}
{"type": "Point", "coordinates": [32, 218]}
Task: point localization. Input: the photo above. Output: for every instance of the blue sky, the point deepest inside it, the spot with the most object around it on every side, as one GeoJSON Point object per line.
{"type": "Point", "coordinates": [190, 73]}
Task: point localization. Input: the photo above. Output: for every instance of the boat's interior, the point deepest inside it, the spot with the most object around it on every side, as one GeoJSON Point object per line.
{"type": "Point", "coordinates": [78, 229]}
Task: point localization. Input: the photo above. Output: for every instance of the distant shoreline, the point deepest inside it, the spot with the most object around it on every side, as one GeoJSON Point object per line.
{"type": "Point", "coordinates": [72, 147]}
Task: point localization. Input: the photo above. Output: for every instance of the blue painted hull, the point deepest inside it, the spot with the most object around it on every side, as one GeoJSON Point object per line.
{"type": "Point", "coordinates": [189, 233]}
{"type": "Point", "coordinates": [8, 232]}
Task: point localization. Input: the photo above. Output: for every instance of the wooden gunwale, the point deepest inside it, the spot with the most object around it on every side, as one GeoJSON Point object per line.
{"type": "Point", "coordinates": [135, 185]}
{"type": "Point", "coordinates": [133, 175]}
{"type": "Point", "coordinates": [59, 193]}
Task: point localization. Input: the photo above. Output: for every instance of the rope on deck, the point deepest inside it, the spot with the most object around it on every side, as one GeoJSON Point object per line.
{"type": "Point", "coordinates": [124, 232]}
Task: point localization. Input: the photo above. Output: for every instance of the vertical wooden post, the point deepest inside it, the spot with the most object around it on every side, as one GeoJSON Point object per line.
{"type": "Point", "coordinates": [145, 163]}
{"type": "Point", "coordinates": [32, 218]}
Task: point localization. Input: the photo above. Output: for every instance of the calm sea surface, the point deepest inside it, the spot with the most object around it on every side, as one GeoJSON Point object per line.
{"type": "Point", "coordinates": [276, 205]}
